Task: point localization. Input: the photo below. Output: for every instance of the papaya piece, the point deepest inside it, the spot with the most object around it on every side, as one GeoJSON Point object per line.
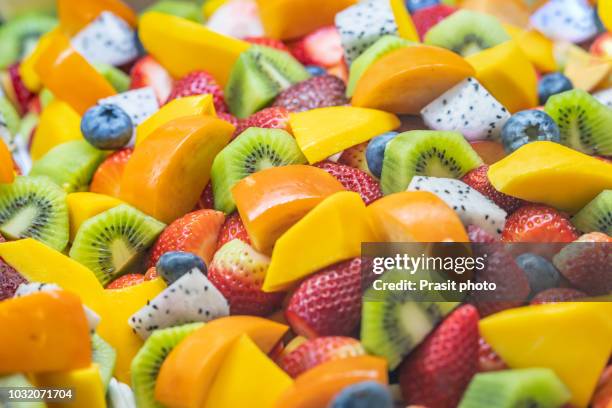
{"type": "Point", "coordinates": [83, 205]}
{"type": "Point", "coordinates": [7, 168]}
{"type": "Point", "coordinates": [272, 200]}
{"type": "Point", "coordinates": [74, 16]}
{"type": "Point", "coordinates": [58, 123]}
{"type": "Point", "coordinates": [536, 47]}
{"type": "Point", "coordinates": [85, 383]}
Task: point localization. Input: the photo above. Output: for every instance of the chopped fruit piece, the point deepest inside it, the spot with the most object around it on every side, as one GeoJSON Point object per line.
{"type": "Point", "coordinates": [427, 17]}
{"type": "Point", "coordinates": [199, 83]}
{"type": "Point", "coordinates": [536, 47]}
{"type": "Point", "coordinates": [508, 11]}
{"type": "Point", "coordinates": [268, 42]}
{"type": "Point", "coordinates": [322, 48]}
{"type": "Point", "coordinates": [86, 385]}
{"type": "Point", "coordinates": [488, 359]}
{"type": "Point", "coordinates": [73, 17]}
{"type": "Point", "coordinates": [147, 72]}
{"type": "Point", "coordinates": [130, 279]}
{"type": "Point", "coordinates": [268, 118]}
{"type": "Point", "coordinates": [538, 223]}
{"type": "Point", "coordinates": [58, 123]}
{"type": "Point", "coordinates": [331, 232]}
{"type": "Point", "coordinates": [407, 79]}
{"type": "Point", "coordinates": [7, 169]}
{"type": "Point", "coordinates": [83, 206]}
{"type": "Point", "coordinates": [317, 92]}
{"type": "Point", "coordinates": [478, 180]}
{"type": "Point", "coordinates": [10, 279]}
{"type": "Point", "coordinates": [490, 152]}
{"type": "Point", "coordinates": [354, 180]}
{"type": "Point", "coordinates": [355, 156]}
{"type": "Point", "coordinates": [323, 132]}
{"type": "Point", "coordinates": [233, 228]}
{"type": "Point", "coordinates": [107, 178]}
{"type": "Point", "coordinates": [22, 94]}
{"type": "Point", "coordinates": [586, 71]}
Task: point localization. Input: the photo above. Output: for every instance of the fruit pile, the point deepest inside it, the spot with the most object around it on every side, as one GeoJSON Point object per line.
{"type": "Point", "coordinates": [184, 195]}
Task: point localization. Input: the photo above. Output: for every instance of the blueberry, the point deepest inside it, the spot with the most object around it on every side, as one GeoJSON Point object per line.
{"type": "Point", "coordinates": [540, 272]}
{"type": "Point", "coordinates": [107, 127]}
{"type": "Point", "coordinates": [375, 152]}
{"type": "Point", "coordinates": [367, 394]}
{"type": "Point", "coordinates": [528, 126]}
{"type": "Point", "coordinates": [172, 265]}
{"type": "Point", "coordinates": [553, 84]}
{"type": "Point", "coordinates": [315, 70]}
{"type": "Point", "coordinates": [414, 5]}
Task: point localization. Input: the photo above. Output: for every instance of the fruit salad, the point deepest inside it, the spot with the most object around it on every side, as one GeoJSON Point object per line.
{"type": "Point", "coordinates": [306, 204]}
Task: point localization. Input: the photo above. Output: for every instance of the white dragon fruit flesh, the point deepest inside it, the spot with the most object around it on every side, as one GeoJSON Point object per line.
{"type": "Point", "coordinates": [566, 20]}
{"type": "Point", "coordinates": [467, 108]}
{"type": "Point", "coordinates": [108, 40]}
{"type": "Point", "coordinates": [472, 207]}
{"type": "Point", "coordinates": [605, 97]}
{"type": "Point", "coordinates": [362, 24]}
{"type": "Point", "coordinates": [237, 18]}
{"type": "Point", "coordinates": [191, 298]}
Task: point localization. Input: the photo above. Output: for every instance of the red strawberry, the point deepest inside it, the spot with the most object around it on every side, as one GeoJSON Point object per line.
{"type": "Point", "coordinates": [538, 223]}
{"type": "Point", "coordinates": [269, 118]}
{"type": "Point", "coordinates": [126, 280]}
{"type": "Point", "coordinates": [327, 303]}
{"type": "Point", "coordinates": [151, 274]}
{"type": "Point", "coordinates": [428, 17]}
{"type": "Point", "coordinates": [355, 157]}
{"type": "Point", "coordinates": [479, 236]}
{"type": "Point", "coordinates": [196, 232]}
{"type": "Point", "coordinates": [318, 351]}
{"type": "Point", "coordinates": [107, 178]}
{"type": "Point", "coordinates": [316, 92]}
{"type": "Point", "coordinates": [603, 395]}
{"type": "Point", "coordinates": [233, 228]}
{"type": "Point", "coordinates": [268, 42]}
{"type": "Point", "coordinates": [148, 72]}
{"type": "Point", "coordinates": [198, 83]}
{"type": "Point", "coordinates": [488, 359]}
{"type": "Point", "coordinates": [478, 180]}
{"type": "Point", "coordinates": [22, 94]}
{"type": "Point", "coordinates": [354, 180]}
{"type": "Point", "coordinates": [10, 279]}
{"type": "Point", "coordinates": [228, 117]}
{"type": "Point", "coordinates": [207, 199]}
{"type": "Point", "coordinates": [439, 370]}
{"type": "Point", "coordinates": [557, 295]}
{"type": "Point", "coordinates": [238, 271]}
{"type": "Point", "coordinates": [321, 47]}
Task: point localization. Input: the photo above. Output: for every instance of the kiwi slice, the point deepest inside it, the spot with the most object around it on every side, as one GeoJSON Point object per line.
{"type": "Point", "coordinates": [467, 32]}
{"type": "Point", "coordinates": [105, 356]}
{"type": "Point", "coordinates": [9, 117]}
{"type": "Point", "coordinates": [149, 359]}
{"type": "Point", "coordinates": [258, 76]}
{"type": "Point", "coordinates": [596, 215]}
{"type": "Point", "coordinates": [34, 207]}
{"type": "Point", "coordinates": [70, 165]}
{"type": "Point", "coordinates": [253, 150]}
{"type": "Point", "coordinates": [376, 51]}
{"type": "Point", "coordinates": [20, 35]}
{"type": "Point", "coordinates": [584, 122]}
{"type": "Point", "coordinates": [117, 78]}
{"type": "Point", "coordinates": [425, 153]}
{"type": "Point", "coordinates": [529, 387]}
{"type": "Point", "coordinates": [16, 381]}
{"type": "Point", "coordinates": [114, 240]}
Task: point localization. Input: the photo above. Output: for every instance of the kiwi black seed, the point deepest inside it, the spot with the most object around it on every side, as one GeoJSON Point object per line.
{"type": "Point", "coordinates": [114, 240]}
{"type": "Point", "coordinates": [19, 36]}
{"type": "Point", "coordinates": [425, 153]}
{"type": "Point", "coordinates": [105, 356]}
{"type": "Point", "coordinates": [34, 207]}
{"type": "Point", "coordinates": [596, 215]}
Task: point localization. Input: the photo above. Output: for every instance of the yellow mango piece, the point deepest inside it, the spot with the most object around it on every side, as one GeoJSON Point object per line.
{"type": "Point", "coordinates": [187, 106]}
{"type": "Point", "coordinates": [550, 173]}
{"type": "Point", "coordinates": [508, 75]}
{"type": "Point", "coordinates": [83, 205]}
{"type": "Point", "coordinates": [573, 339]}
{"type": "Point", "coordinates": [58, 124]}
{"type": "Point", "coordinates": [536, 47]}
{"type": "Point", "coordinates": [236, 386]}
{"type": "Point", "coordinates": [604, 10]}
{"type": "Point", "coordinates": [323, 132]}
{"type": "Point", "coordinates": [86, 385]}
{"type": "Point", "coordinates": [210, 6]}
{"type": "Point", "coordinates": [26, 69]}
{"type": "Point", "coordinates": [405, 25]}
{"type": "Point", "coordinates": [331, 232]}
{"type": "Point", "coordinates": [183, 46]}
{"type": "Point", "coordinates": [586, 71]}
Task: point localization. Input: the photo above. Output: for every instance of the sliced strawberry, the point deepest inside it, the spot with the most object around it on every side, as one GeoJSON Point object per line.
{"type": "Point", "coordinates": [269, 118]}
{"type": "Point", "coordinates": [557, 295]}
{"type": "Point", "coordinates": [268, 42]}
{"type": "Point", "coordinates": [238, 271]}
{"type": "Point", "coordinates": [199, 83]}
{"type": "Point", "coordinates": [10, 279]}
{"type": "Point", "coordinates": [107, 178]}
{"type": "Point", "coordinates": [437, 373]}
{"type": "Point", "coordinates": [151, 274]}
{"type": "Point", "coordinates": [206, 200]}
{"type": "Point", "coordinates": [355, 157]}
{"type": "Point", "coordinates": [233, 228]}
{"type": "Point", "coordinates": [321, 47]}
{"type": "Point", "coordinates": [538, 223]}
{"type": "Point", "coordinates": [196, 232]}
{"type": "Point", "coordinates": [488, 359]}
{"type": "Point", "coordinates": [126, 280]}
{"type": "Point", "coordinates": [148, 72]}
{"type": "Point", "coordinates": [427, 17]}
{"type": "Point", "coordinates": [478, 180]}
{"type": "Point", "coordinates": [354, 180]}
{"type": "Point", "coordinates": [603, 395]}
{"type": "Point", "coordinates": [318, 351]}
{"type": "Point", "coordinates": [22, 94]}
{"type": "Point", "coordinates": [316, 92]}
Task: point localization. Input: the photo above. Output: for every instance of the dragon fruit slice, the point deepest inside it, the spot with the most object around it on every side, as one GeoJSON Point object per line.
{"type": "Point", "coordinates": [566, 20]}
{"type": "Point", "coordinates": [604, 97]}
{"type": "Point", "coordinates": [191, 298]}
{"type": "Point", "coordinates": [237, 18]}
{"type": "Point", "coordinates": [467, 108]}
{"type": "Point", "coordinates": [362, 24]}
{"type": "Point", "coordinates": [472, 207]}
{"type": "Point", "coordinates": [108, 40]}
{"type": "Point", "coordinates": [16, 145]}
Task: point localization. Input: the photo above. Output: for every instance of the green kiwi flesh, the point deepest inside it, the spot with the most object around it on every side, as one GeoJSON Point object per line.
{"type": "Point", "coordinates": [19, 36]}
{"type": "Point", "coordinates": [117, 78]}
{"type": "Point", "coordinates": [34, 207]}
{"type": "Point", "coordinates": [258, 76]}
{"type": "Point", "coordinates": [179, 8]}
{"type": "Point", "coordinates": [596, 215]}
{"type": "Point", "coordinates": [425, 153]}
{"type": "Point", "coordinates": [16, 381]}
{"type": "Point", "coordinates": [148, 361]}
{"type": "Point", "coordinates": [253, 150]}
{"type": "Point", "coordinates": [530, 387]}
{"type": "Point", "coordinates": [105, 356]}
{"type": "Point", "coordinates": [112, 241]}
{"type": "Point", "coordinates": [584, 123]}
{"type": "Point", "coordinates": [467, 32]}
{"type": "Point", "coordinates": [9, 117]}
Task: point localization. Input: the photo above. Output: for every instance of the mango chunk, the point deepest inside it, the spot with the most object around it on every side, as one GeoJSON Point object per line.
{"type": "Point", "coordinates": [323, 132]}
{"type": "Point", "coordinates": [331, 232]}
{"type": "Point", "coordinates": [406, 80]}
{"type": "Point", "coordinates": [74, 16]}
{"type": "Point", "coordinates": [27, 71]}
{"type": "Point", "coordinates": [83, 205]}
{"type": "Point", "coordinates": [7, 169]}
{"type": "Point", "coordinates": [508, 75]}
{"type": "Point", "coordinates": [604, 10]}
{"type": "Point", "coordinates": [536, 47]}
{"type": "Point", "coordinates": [550, 173]}
{"type": "Point", "coordinates": [569, 338]}
{"type": "Point", "coordinates": [58, 124]}
{"type": "Point", "coordinates": [86, 385]}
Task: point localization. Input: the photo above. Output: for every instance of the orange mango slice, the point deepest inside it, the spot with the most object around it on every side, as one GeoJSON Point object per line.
{"type": "Point", "coordinates": [45, 331]}
{"type": "Point", "coordinates": [7, 169]}
{"type": "Point", "coordinates": [536, 47]}
{"type": "Point", "coordinates": [317, 387]}
{"type": "Point", "coordinates": [604, 10]}
{"type": "Point", "coordinates": [508, 11]}
{"type": "Point", "coordinates": [27, 67]}
{"type": "Point", "coordinates": [83, 205]}
{"type": "Point", "coordinates": [406, 80]}
{"type": "Point", "coordinates": [86, 384]}
{"type": "Point", "coordinates": [58, 123]}
{"type": "Point", "coordinates": [167, 173]}
{"type": "Point", "coordinates": [188, 372]}
{"type": "Point", "coordinates": [183, 46]}
{"type": "Point", "coordinates": [272, 200]}
{"type": "Point", "coordinates": [74, 16]}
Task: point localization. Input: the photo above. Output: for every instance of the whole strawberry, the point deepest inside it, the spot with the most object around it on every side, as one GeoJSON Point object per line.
{"type": "Point", "coordinates": [148, 72]}
{"type": "Point", "coordinates": [428, 17]}
{"type": "Point", "coordinates": [125, 281]}
{"type": "Point", "coordinates": [316, 92]}
{"type": "Point", "coordinates": [354, 180]}
{"type": "Point", "coordinates": [478, 180]}
{"type": "Point", "coordinates": [438, 371]}
{"type": "Point", "coordinates": [269, 118]}
{"type": "Point", "coordinates": [538, 223]}
{"type": "Point", "coordinates": [233, 228]}
{"type": "Point", "coordinates": [317, 351]}
{"type": "Point", "coordinates": [268, 42]}
{"type": "Point", "coordinates": [107, 178]}
{"type": "Point", "coordinates": [488, 359]}
{"type": "Point", "coordinates": [198, 83]}
{"type": "Point", "coordinates": [238, 271]}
